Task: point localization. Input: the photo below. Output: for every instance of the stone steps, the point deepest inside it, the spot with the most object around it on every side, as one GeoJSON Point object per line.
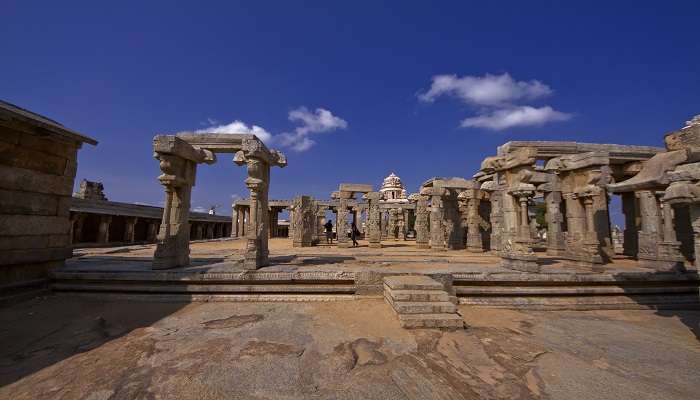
{"type": "Point", "coordinates": [421, 302]}
{"type": "Point", "coordinates": [444, 321]}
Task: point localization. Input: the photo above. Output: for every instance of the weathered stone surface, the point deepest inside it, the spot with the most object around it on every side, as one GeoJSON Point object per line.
{"type": "Point", "coordinates": [304, 221]}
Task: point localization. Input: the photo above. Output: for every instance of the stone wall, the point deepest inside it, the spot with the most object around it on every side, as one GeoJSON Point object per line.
{"type": "Point", "coordinates": [37, 170]}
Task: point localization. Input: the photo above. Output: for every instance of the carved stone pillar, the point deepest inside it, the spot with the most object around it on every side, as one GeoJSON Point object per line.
{"type": "Point", "coordinates": [256, 253]}
{"type": "Point", "coordinates": [103, 229]}
{"type": "Point", "coordinates": [658, 247]}
{"type": "Point", "coordinates": [556, 239]}
{"type": "Point", "coordinates": [304, 215]}
{"type": "Point", "coordinates": [172, 248]}
{"type": "Point", "coordinates": [401, 223]}
{"type": "Point", "coordinates": [422, 224]}
{"type": "Point", "coordinates": [342, 222]}
{"type": "Point", "coordinates": [471, 202]}
{"type": "Point", "coordinates": [495, 217]}
{"type": "Point", "coordinates": [374, 216]}
{"type": "Point", "coordinates": [517, 252]}
{"type": "Point", "coordinates": [437, 215]}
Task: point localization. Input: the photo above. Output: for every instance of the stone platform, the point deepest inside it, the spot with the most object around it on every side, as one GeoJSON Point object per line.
{"type": "Point", "coordinates": [327, 273]}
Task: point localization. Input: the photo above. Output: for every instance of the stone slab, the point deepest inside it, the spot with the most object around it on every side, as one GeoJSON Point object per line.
{"type": "Point", "coordinates": [414, 321]}
{"type": "Point", "coordinates": [412, 282]}
{"type": "Point", "coordinates": [417, 295]}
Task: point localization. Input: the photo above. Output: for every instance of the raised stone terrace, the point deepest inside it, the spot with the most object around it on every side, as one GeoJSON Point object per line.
{"type": "Point", "coordinates": [326, 273]}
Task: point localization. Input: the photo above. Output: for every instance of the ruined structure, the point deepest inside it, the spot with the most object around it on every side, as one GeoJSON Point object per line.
{"type": "Point", "coordinates": [38, 163]}
{"type": "Point", "coordinates": [97, 222]}
{"type": "Point", "coordinates": [179, 156]}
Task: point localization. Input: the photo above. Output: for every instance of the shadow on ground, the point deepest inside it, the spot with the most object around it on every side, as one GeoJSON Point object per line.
{"type": "Point", "coordinates": [45, 330]}
{"type": "Point", "coordinates": [689, 281]}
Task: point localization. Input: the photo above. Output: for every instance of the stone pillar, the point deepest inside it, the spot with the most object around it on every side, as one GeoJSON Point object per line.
{"type": "Point", "coordinates": [304, 216]}
{"type": "Point", "coordinates": [234, 222]}
{"type": "Point", "coordinates": [473, 220]}
{"type": "Point", "coordinates": [391, 225]}
{"type": "Point", "coordinates": [274, 221]}
{"type": "Point", "coordinates": [320, 221]}
{"type": "Point", "coordinates": [342, 222]}
{"type": "Point", "coordinates": [374, 216]}
{"type": "Point", "coordinates": [129, 229]}
{"type": "Point", "coordinates": [152, 231]}
{"type": "Point", "coordinates": [517, 252]}
{"type": "Point", "coordinates": [103, 229]}
{"type": "Point", "coordinates": [437, 214]}
{"type": "Point", "coordinates": [496, 215]}
{"type": "Point", "coordinates": [695, 223]}
{"type": "Point", "coordinates": [245, 221]}
{"type": "Point", "coordinates": [76, 234]}
{"type": "Point", "coordinates": [256, 253]}
{"type": "Point", "coordinates": [556, 238]}
{"type": "Point", "coordinates": [663, 252]}
{"type": "Point", "coordinates": [632, 222]}
{"type": "Point", "coordinates": [422, 224]}
{"type": "Point", "coordinates": [401, 223]}
{"type": "Point", "coordinates": [173, 249]}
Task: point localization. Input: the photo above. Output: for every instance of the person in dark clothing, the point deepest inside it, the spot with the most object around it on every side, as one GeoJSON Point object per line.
{"type": "Point", "coordinates": [329, 231]}
{"type": "Point", "coordinates": [353, 234]}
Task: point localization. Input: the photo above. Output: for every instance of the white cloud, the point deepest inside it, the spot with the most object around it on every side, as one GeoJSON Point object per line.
{"type": "Point", "coordinates": [487, 90]}
{"type": "Point", "coordinates": [516, 116]}
{"type": "Point", "coordinates": [321, 120]}
{"type": "Point", "coordinates": [318, 121]}
{"type": "Point", "coordinates": [240, 127]}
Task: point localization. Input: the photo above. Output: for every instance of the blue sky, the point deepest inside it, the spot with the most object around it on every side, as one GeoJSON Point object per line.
{"type": "Point", "coordinates": [419, 88]}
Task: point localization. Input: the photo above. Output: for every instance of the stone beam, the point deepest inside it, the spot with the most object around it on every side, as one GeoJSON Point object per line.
{"type": "Point", "coordinates": [355, 188]}
{"type": "Point", "coordinates": [548, 149]}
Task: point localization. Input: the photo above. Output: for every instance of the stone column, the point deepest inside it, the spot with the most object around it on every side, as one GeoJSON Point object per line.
{"type": "Point", "coordinates": [632, 221]}
{"type": "Point", "coordinates": [320, 221]}
{"type": "Point", "coordinates": [391, 226]}
{"type": "Point", "coordinates": [496, 215]}
{"type": "Point", "coordinates": [374, 215]}
{"type": "Point", "coordinates": [342, 223]}
{"type": "Point", "coordinates": [274, 221]}
{"type": "Point", "coordinates": [256, 253]}
{"type": "Point", "coordinates": [77, 221]}
{"type": "Point", "coordinates": [103, 229]}
{"type": "Point", "coordinates": [556, 239]}
{"type": "Point", "coordinates": [517, 252]}
{"type": "Point", "coordinates": [437, 214]}
{"type": "Point", "coordinates": [129, 229]}
{"type": "Point", "coordinates": [304, 216]}
{"type": "Point", "coordinates": [172, 249]}
{"type": "Point", "coordinates": [401, 223]}
{"type": "Point", "coordinates": [152, 231]}
{"type": "Point", "coordinates": [422, 224]}
{"type": "Point", "coordinates": [234, 222]}
{"type": "Point", "coordinates": [655, 251]}
{"type": "Point", "coordinates": [472, 200]}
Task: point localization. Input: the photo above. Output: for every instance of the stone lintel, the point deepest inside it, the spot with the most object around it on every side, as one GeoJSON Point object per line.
{"type": "Point", "coordinates": [170, 144]}
{"type": "Point", "coordinates": [355, 187]}
{"type": "Point", "coordinates": [550, 149]}
{"type": "Point", "coordinates": [573, 162]}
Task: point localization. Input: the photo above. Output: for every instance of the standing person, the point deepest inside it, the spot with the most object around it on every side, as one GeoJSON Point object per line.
{"type": "Point", "coordinates": [354, 234]}
{"type": "Point", "coordinates": [329, 231]}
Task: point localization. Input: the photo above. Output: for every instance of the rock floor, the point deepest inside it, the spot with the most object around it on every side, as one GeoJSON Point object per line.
{"type": "Point", "coordinates": [65, 347]}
